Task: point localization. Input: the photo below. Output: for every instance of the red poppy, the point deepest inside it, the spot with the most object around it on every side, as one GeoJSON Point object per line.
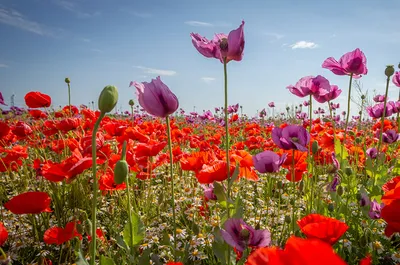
{"type": "Point", "coordinates": [68, 124]}
{"type": "Point", "coordinates": [390, 213]}
{"type": "Point", "coordinates": [4, 129]}
{"type": "Point", "coordinates": [37, 100]}
{"type": "Point", "coordinates": [100, 235]}
{"type": "Point", "coordinates": [392, 194]}
{"type": "Point", "coordinates": [324, 228]}
{"type": "Point", "coordinates": [367, 260]}
{"type": "Point", "coordinates": [391, 184]}
{"type": "Point", "coordinates": [37, 114]}
{"type": "Point", "coordinates": [22, 129]}
{"type": "Point", "coordinates": [29, 202]}
{"type": "Point", "coordinates": [297, 251]}
{"type": "Point", "coordinates": [216, 171]}
{"type": "Point", "coordinates": [149, 149]}
{"type": "Point", "coordinates": [174, 263]}
{"type": "Point", "coordinates": [59, 235]}
{"type": "Point", "coordinates": [3, 234]}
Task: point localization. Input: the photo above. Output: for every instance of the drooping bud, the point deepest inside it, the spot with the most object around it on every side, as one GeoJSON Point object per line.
{"type": "Point", "coordinates": [121, 170]}
{"type": "Point", "coordinates": [88, 226]}
{"type": "Point", "coordinates": [67, 80]}
{"type": "Point", "coordinates": [131, 102]}
{"type": "Point", "coordinates": [314, 147]}
{"type": "Point", "coordinates": [108, 99]}
{"type": "Point", "coordinates": [340, 190]}
{"type": "Point", "coordinates": [331, 207]}
{"type": "Point", "coordinates": [389, 71]}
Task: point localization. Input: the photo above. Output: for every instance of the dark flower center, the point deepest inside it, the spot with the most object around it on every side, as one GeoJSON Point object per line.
{"type": "Point", "coordinates": [223, 44]}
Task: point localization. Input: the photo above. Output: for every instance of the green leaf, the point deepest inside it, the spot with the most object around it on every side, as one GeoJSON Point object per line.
{"type": "Point", "coordinates": [219, 250]}
{"type": "Point", "coordinates": [145, 257]}
{"type": "Point", "coordinates": [137, 234]}
{"type": "Point", "coordinates": [338, 150]}
{"type": "Point", "coordinates": [238, 208]}
{"type": "Point", "coordinates": [121, 243]}
{"type": "Point", "coordinates": [106, 261]}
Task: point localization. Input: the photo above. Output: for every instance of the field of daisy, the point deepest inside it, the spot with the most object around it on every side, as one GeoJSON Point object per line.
{"type": "Point", "coordinates": [158, 185]}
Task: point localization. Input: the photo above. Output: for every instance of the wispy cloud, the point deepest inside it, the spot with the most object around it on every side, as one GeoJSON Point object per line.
{"type": "Point", "coordinates": [16, 19]}
{"type": "Point", "coordinates": [86, 40]}
{"type": "Point", "coordinates": [198, 23]}
{"type": "Point", "coordinates": [208, 79]}
{"type": "Point", "coordinates": [74, 8]}
{"type": "Point", "coordinates": [148, 70]}
{"type": "Point", "coordinates": [274, 36]}
{"type": "Point", "coordinates": [97, 50]}
{"type": "Point", "coordinates": [2, 65]}
{"type": "Point", "coordinates": [304, 45]}
{"type": "Point", "coordinates": [136, 13]}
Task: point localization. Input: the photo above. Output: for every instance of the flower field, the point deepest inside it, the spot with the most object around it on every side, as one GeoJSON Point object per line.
{"type": "Point", "coordinates": [158, 185]}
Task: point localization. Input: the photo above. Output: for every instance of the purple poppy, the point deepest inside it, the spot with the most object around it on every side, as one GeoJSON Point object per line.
{"type": "Point", "coordinates": [233, 108]}
{"type": "Point", "coordinates": [379, 98]}
{"type": "Point", "coordinates": [306, 103]}
{"type": "Point", "coordinates": [2, 100]}
{"type": "Point", "coordinates": [222, 46]}
{"type": "Point", "coordinates": [331, 94]}
{"type": "Point", "coordinates": [209, 192]}
{"type": "Point", "coordinates": [376, 111]}
{"type": "Point", "coordinates": [268, 161]}
{"type": "Point", "coordinates": [335, 161]}
{"type": "Point", "coordinates": [291, 137]}
{"type": "Point", "coordinates": [352, 63]}
{"type": "Point", "coordinates": [335, 106]}
{"type": "Point", "coordinates": [240, 235]}
{"type": "Point", "coordinates": [375, 209]}
{"type": "Point", "coordinates": [156, 98]}
{"type": "Point", "coordinates": [372, 152]}
{"type": "Point", "coordinates": [310, 85]}
{"type": "Point", "coordinates": [395, 106]}
{"type": "Point", "coordinates": [271, 104]}
{"type": "Point", "coordinates": [364, 200]}
{"type": "Point", "coordinates": [389, 136]}
{"type": "Point", "coordinates": [335, 182]}
{"type": "Point", "coordinates": [263, 113]}
{"type": "Point", "coordinates": [396, 79]}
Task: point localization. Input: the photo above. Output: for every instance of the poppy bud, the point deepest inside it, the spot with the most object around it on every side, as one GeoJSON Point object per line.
{"type": "Point", "coordinates": [301, 186]}
{"type": "Point", "coordinates": [348, 171]}
{"type": "Point", "coordinates": [67, 80]}
{"type": "Point", "coordinates": [280, 184]}
{"type": "Point", "coordinates": [389, 71]}
{"type": "Point", "coordinates": [88, 227]}
{"type": "Point", "coordinates": [121, 170]}
{"type": "Point", "coordinates": [79, 228]}
{"type": "Point", "coordinates": [131, 102]}
{"type": "Point", "coordinates": [331, 207]}
{"type": "Point", "coordinates": [108, 99]}
{"type": "Point", "coordinates": [244, 235]}
{"type": "Point", "coordinates": [358, 140]}
{"type": "Point", "coordinates": [398, 66]}
{"type": "Point", "coordinates": [340, 190]}
{"type": "Point", "coordinates": [363, 241]}
{"type": "Point", "coordinates": [362, 96]}
{"type": "Point", "coordinates": [288, 220]}
{"type": "Point", "coordinates": [358, 197]}
{"type": "Point", "coordinates": [314, 147]}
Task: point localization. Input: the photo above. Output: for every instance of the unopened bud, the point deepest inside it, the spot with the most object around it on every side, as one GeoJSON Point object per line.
{"type": "Point", "coordinates": [79, 228]}
{"type": "Point", "coordinates": [348, 171]}
{"type": "Point", "coordinates": [340, 190]}
{"type": "Point", "coordinates": [121, 170]}
{"type": "Point", "coordinates": [314, 147]}
{"type": "Point", "coordinates": [389, 71]}
{"type": "Point", "coordinates": [288, 220]}
{"type": "Point", "coordinates": [131, 102]}
{"type": "Point", "coordinates": [88, 227]}
{"type": "Point", "coordinates": [108, 99]}
{"type": "Point", "coordinates": [301, 186]}
{"type": "Point", "coordinates": [331, 207]}
{"type": "Point", "coordinates": [362, 96]}
{"type": "Point", "coordinates": [67, 80]}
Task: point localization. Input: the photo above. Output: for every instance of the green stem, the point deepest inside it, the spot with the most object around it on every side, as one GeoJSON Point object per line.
{"type": "Point", "coordinates": [3, 254]}
{"type": "Point", "coordinates": [171, 172]}
{"type": "Point", "coordinates": [294, 190]}
{"type": "Point", "coordinates": [398, 117]}
{"type": "Point", "coordinates": [95, 188]}
{"type": "Point", "coordinates": [228, 167]}
{"type": "Point", "coordinates": [128, 193]}
{"type": "Point", "coordinates": [347, 118]}
{"type": "Point", "coordinates": [309, 152]}
{"type": "Point", "coordinates": [383, 115]}
{"type": "Point", "coordinates": [69, 99]}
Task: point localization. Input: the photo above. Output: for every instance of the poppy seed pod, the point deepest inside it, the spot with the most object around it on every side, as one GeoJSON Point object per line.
{"type": "Point", "coordinates": [131, 102]}
{"type": "Point", "coordinates": [121, 171]}
{"type": "Point", "coordinates": [67, 80]}
{"type": "Point", "coordinates": [340, 190]}
{"type": "Point", "coordinates": [389, 71]}
{"type": "Point", "coordinates": [108, 99]}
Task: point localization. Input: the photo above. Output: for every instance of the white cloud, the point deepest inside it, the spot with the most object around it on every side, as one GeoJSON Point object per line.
{"type": "Point", "coordinates": [2, 65]}
{"type": "Point", "coordinates": [14, 18]}
{"type": "Point", "coordinates": [198, 23]}
{"type": "Point", "coordinates": [208, 79]}
{"type": "Point", "coordinates": [73, 7]}
{"type": "Point", "coordinates": [304, 45]}
{"type": "Point", "coordinates": [148, 70]}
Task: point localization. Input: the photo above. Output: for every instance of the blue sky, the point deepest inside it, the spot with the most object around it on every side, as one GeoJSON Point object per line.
{"type": "Point", "coordinates": [97, 43]}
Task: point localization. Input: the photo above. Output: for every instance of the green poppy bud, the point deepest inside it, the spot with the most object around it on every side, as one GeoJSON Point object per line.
{"type": "Point", "coordinates": [331, 207]}
{"type": "Point", "coordinates": [131, 102]}
{"type": "Point", "coordinates": [358, 140]}
{"type": "Point", "coordinates": [108, 99]}
{"type": "Point", "coordinates": [398, 66]}
{"type": "Point", "coordinates": [314, 147]}
{"type": "Point", "coordinates": [288, 220]}
{"type": "Point", "coordinates": [88, 226]}
{"type": "Point", "coordinates": [301, 186]}
{"type": "Point", "coordinates": [389, 71]}
{"type": "Point", "coordinates": [67, 80]}
{"type": "Point", "coordinates": [362, 96]}
{"type": "Point", "coordinates": [340, 190]}
{"type": "Point", "coordinates": [348, 171]}
{"type": "Point", "coordinates": [79, 228]}
{"type": "Point", "coordinates": [121, 171]}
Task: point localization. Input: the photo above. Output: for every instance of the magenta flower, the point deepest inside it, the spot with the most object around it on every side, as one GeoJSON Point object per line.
{"type": "Point", "coordinates": [395, 106]}
{"type": "Point", "coordinates": [156, 98]}
{"type": "Point", "coordinates": [222, 46]}
{"type": "Point", "coordinates": [271, 104]}
{"type": "Point", "coordinates": [372, 152]}
{"type": "Point", "coordinates": [375, 209]}
{"type": "Point", "coordinates": [377, 110]}
{"type": "Point", "coordinates": [335, 106]}
{"type": "Point", "coordinates": [331, 94]}
{"type": "Point", "coordinates": [233, 108]}
{"type": "Point", "coordinates": [396, 79]}
{"type": "Point", "coordinates": [379, 98]}
{"type": "Point", "coordinates": [263, 113]}
{"type": "Point", "coordinates": [389, 136]}
{"type": "Point", "coordinates": [209, 192]}
{"type": "Point", "coordinates": [306, 103]}
{"type": "Point", "coordinates": [310, 85]}
{"type": "Point", "coordinates": [352, 63]}
{"type": "Point", "coordinates": [240, 235]}
{"type": "Point", "coordinates": [268, 161]}
{"type": "Point", "coordinates": [2, 100]}
{"type": "Point", "coordinates": [291, 137]}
